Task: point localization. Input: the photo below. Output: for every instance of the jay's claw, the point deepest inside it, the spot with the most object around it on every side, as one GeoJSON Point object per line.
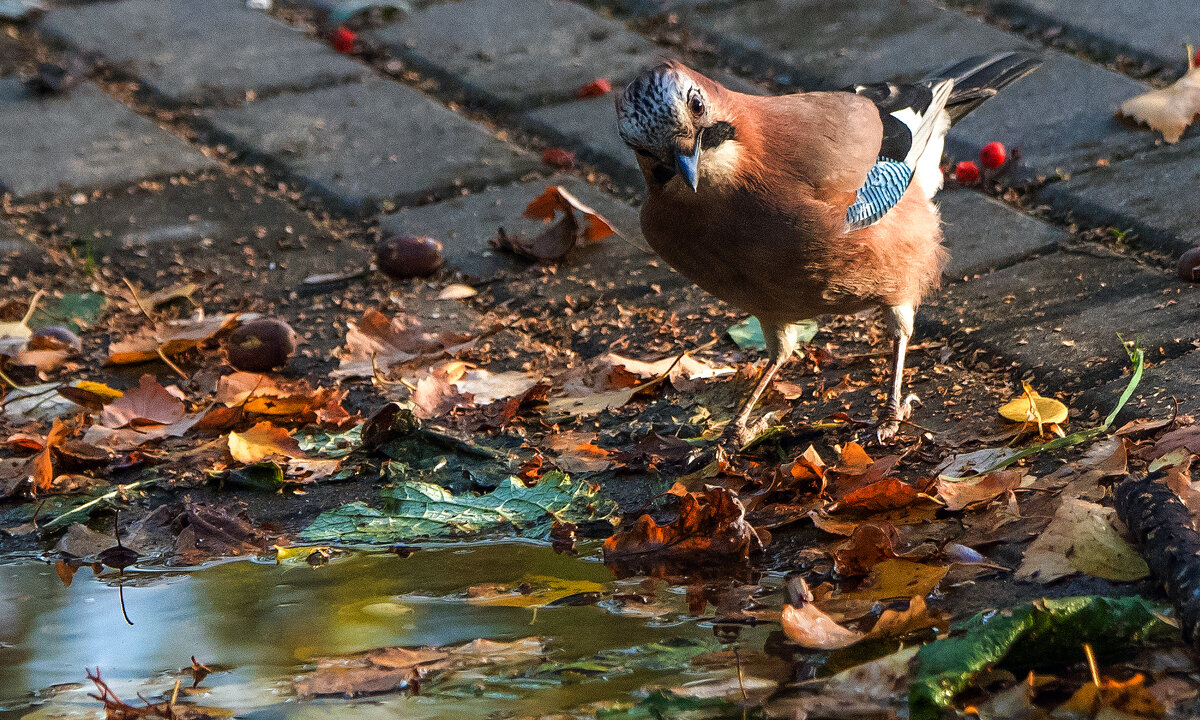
{"type": "Point", "coordinates": [889, 424]}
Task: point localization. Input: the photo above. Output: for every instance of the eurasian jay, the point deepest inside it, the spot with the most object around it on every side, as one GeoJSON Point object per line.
{"type": "Point", "coordinates": [799, 205]}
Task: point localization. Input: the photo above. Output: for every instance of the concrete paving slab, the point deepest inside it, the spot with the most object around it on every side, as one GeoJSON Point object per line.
{"type": "Point", "coordinates": [517, 53]}
{"type": "Point", "coordinates": [465, 225]}
{"type": "Point", "coordinates": [1143, 194]}
{"type": "Point", "coordinates": [366, 144]}
{"type": "Point", "coordinates": [199, 51]}
{"type": "Point", "coordinates": [1149, 32]}
{"type": "Point", "coordinates": [589, 127]}
{"type": "Point", "coordinates": [185, 232]}
{"type": "Point", "coordinates": [1059, 315]}
{"type": "Point", "coordinates": [84, 139]}
{"type": "Point", "coordinates": [1061, 116]}
{"type": "Point", "coordinates": [1164, 385]}
{"type": "Point", "coordinates": [983, 233]}
{"type": "Point", "coordinates": [829, 46]}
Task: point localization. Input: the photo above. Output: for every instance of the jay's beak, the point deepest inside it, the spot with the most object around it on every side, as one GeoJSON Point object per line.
{"type": "Point", "coordinates": [688, 165]}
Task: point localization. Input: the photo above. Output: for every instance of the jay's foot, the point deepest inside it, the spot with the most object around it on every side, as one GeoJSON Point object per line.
{"type": "Point", "coordinates": [889, 424]}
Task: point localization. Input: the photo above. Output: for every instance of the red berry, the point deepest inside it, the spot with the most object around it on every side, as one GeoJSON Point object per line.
{"type": "Point", "coordinates": [343, 40]}
{"type": "Point", "coordinates": [559, 158]}
{"type": "Point", "coordinates": [993, 155]}
{"type": "Point", "coordinates": [1196, 59]}
{"type": "Point", "coordinates": [596, 88]}
{"type": "Point", "coordinates": [966, 172]}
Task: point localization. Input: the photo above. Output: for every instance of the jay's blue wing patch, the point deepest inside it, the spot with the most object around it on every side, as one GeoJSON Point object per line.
{"type": "Point", "coordinates": [886, 182]}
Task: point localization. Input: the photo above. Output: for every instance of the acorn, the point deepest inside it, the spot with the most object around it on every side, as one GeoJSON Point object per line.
{"type": "Point", "coordinates": [55, 337]}
{"type": "Point", "coordinates": [402, 257]}
{"type": "Point", "coordinates": [1189, 265]}
{"type": "Point", "coordinates": [260, 345]}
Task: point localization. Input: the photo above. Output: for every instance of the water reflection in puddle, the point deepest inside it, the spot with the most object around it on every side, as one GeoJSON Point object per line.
{"type": "Point", "coordinates": [267, 623]}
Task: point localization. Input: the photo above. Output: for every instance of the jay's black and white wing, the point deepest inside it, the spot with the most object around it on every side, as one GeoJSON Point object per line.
{"type": "Point", "coordinates": [916, 118]}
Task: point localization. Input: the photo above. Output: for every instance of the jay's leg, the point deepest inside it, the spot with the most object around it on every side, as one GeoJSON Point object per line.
{"type": "Point", "coordinates": [737, 428]}
{"type": "Point", "coordinates": [900, 322]}
{"type": "Point", "coordinates": [781, 342]}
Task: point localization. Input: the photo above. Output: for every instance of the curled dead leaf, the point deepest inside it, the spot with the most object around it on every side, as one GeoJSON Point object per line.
{"type": "Point", "coordinates": [1171, 109]}
{"type": "Point", "coordinates": [262, 442]}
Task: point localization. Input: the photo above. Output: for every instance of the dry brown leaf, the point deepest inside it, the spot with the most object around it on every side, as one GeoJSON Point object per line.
{"type": "Point", "coordinates": [392, 342]}
{"type": "Point", "coordinates": [1171, 109]}
{"type": "Point", "coordinates": [578, 452]}
{"type": "Point", "coordinates": [959, 495]}
{"type": "Point", "coordinates": [147, 404]}
{"type": "Point", "coordinates": [171, 339]}
{"type": "Point", "coordinates": [870, 544]}
{"type": "Point", "coordinates": [556, 199]}
{"type": "Point", "coordinates": [711, 528]}
{"type": "Point", "coordinates": [261, 442]}
{"type": "Point", "coordinates": [548, 246]}
{"type": "Point", "coordinates": [887, 494]}
{"type": "Point", "coordinates": [805, 624]}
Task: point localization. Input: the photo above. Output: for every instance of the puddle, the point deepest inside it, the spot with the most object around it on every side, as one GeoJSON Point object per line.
{"type": "Point", "coordinates": [261, 625]}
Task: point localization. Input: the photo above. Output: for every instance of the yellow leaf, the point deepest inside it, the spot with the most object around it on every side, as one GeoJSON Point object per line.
{"type": "Point", "coordinates": [261, 442]}
{"type": "Point", "coordinates": [99, 389]}
{"type": "Point", "coordinates": [1033, 408]}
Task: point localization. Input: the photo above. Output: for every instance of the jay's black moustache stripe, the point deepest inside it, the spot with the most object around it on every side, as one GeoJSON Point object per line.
{"type": "Point", "coordinates": [717, 133]}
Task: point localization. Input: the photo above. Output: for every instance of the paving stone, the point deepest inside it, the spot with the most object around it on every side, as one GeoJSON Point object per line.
{"type": "Point", "coordinates": [983, 234]}
{"type": "Point", "coordinates": [515, 53]}
{"type": "Point", "coordinates": [18, 256]}
{"type": "Point", "coordinates": [1175, 381]}
{"type": "Point", "coordinates": [200, 231]}
{"type": "Point", "coordinates": [84, 139]}
{"type": "Point", "coordinates": [589, 127]}
{"type": "Point", "coordinates": [202, 50]}
{"type": "Point", "coordinates": [1058, 315]}
{"type": "Point", "coordinates": [1154, 32]}
{"type": "Point", "coordinates": [1146, 193]}
{"type": "Point", "coordinates": [829, 45]}
{"type": "Point", "coordinates": [1061, 116]}
{"type": "Point", "coordinates": [361, 145]}
{"type": "Point", "coordinates": [466, 224]}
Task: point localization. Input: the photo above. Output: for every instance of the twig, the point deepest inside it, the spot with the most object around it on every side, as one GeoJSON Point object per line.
{"type": "Point", "coordinates": [106, 496]}
{"type": "Point", "coordinates": [137, 298]}
{"type": "Point", "coordinates": [163, 356]}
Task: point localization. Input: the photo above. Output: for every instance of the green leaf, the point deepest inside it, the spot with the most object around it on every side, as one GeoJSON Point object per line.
{"type": "Point", "coordinates": [75, 310]}
{"type": "Point", "coordinates": [661, 704]}
{"type": "Point", "coordinates": [1050, 632]}
{"type": "Point", "coordinates": [748, 334]}
{"type": "Point", "coordinates": [413, 510]}
{"type": "Point", "coordinates": [332, 444]}
{"type": "Point", "coordinates": [266, 475]}
{"type": "Point", "coordinates": [672, 654]}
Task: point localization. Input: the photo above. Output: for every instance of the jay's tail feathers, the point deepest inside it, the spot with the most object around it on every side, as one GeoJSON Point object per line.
{"type": "Point", "coordinates": [978, 79]}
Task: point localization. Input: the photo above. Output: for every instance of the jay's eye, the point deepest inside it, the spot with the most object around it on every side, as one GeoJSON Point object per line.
{"type": "Point", "coordinates": [696, 105]}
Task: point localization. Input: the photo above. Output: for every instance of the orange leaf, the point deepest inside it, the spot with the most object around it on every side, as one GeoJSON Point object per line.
{"type": "Point", "coordinates": [959, 495]}
{"type": "Point", "coordinates": [557, 198]}
{"type": "Point", "coordinates": [884, 495]}
{"type": "Point", "coordinates": [711, 527]}
{"type": "Point", "coordinates": [871, 543]}
{"type": "Point", "coordinates": [261, 442]}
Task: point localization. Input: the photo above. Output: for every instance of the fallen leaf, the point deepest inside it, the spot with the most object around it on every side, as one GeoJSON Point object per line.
{"type": "Point", "coordinates": [377, 342]}
{"type": "Point", "coordinates": [805, 624]}
{"type": "Point", "coordinates": [435, 396]}
{"type": "Point", "coordinates": [548, 246]}
{"type": "Point", "coordinates": [417, 510]}
{"type": "Point", "coordinates": [147, 404]}
{"type": "Point", "coordinates": [262, 442]}
{"type": "Point", "coordinates": [172, 338]}
{"type": "Point", "coordinates": [1033, 408]}
{"type": "Point", "coordinates": [598, 402]}
{"type": "Point", "coordinates": [963, 493]}
{"type": "Point", "coordinates": [1081, 538]}
{"type": "Point", "coordinates": [1129, 698]}
{"type": "Point", "coordinates": [532, 591]}
{"type": "Point", "coordinates": [596, 88]}
{"type": "Point", "coordinates": [578, 452]}
{"type": "Point", "coordinates": [1171, 109]}
{"type": "Point", "coordinates": [556, 199]}
{"type": "Point", "coordinates": [487, 387]}
{"type": "Point", "coordinates": [457, 291]}
{"type": "Point", "coordinates": [887, 494]}
{"type": "Point", "coordinates": [711, 527]}
{"type": "Point", "coordinates": [870, 544]}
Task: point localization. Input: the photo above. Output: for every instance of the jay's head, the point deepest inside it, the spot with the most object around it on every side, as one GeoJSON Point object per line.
{"type": "Point", "coordinates": [662, 116]}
